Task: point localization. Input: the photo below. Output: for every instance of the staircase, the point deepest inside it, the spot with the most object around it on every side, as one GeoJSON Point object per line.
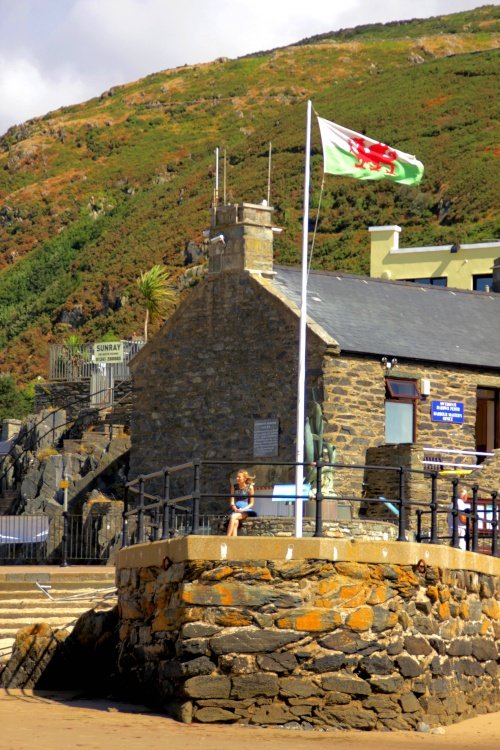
{"type": "Point", "coordinates": [70, 592]}
{"type": "Point", "coordinates": [97, 438]}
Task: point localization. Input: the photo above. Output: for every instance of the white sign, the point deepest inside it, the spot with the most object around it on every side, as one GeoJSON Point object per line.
{"type": "Point", "coordinates": [108, 352]}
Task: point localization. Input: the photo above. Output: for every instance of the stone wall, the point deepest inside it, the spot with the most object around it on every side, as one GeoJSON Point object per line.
{"type": "Point", "coordinates": [309, 633]}
{"type": "Point", "coordinates": [354, 389]}
{"type": "Point", "coordinates": [74, 397]}
{"type": "Point", "coordinates": [70, 396]}
{"type": "Point", "coordinates": [200, 384]}
{"type": "Point", "coordinates": [354, 529]}
{"type": "Point", "coordinates": [416, 486]}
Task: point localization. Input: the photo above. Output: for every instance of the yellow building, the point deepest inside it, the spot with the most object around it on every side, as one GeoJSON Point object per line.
{"type": "Point", "coordinates": [460, 266]}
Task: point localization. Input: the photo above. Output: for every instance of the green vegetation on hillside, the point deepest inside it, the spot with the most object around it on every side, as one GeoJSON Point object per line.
{"type": "Point", "coordinates": [94, 194]}
{"type": "Point", "coordinates": [15, 403]}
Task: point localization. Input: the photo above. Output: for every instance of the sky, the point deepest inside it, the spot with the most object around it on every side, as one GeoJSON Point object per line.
{"type": "Point", "coordinates": [60, 52]}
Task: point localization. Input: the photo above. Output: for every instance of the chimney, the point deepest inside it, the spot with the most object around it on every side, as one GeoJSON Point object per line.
{"type": "Point", "coordinates": [241, 239]}
{"type": "Point", "coordinates": [383, 240]}
{"type": "Point", "coordinates": [495, 286]}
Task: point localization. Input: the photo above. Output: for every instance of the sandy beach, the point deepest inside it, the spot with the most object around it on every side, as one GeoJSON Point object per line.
{"type": "Point", "coordinates": [50, 722]}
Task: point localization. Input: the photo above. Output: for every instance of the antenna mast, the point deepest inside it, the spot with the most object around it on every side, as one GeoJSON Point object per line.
{"type": "Point", "coordinates": [225, 201]}
{"type": "Point", "coordinates": [269, 175]}
{"type": "Point", "coordinates": [216, 189]}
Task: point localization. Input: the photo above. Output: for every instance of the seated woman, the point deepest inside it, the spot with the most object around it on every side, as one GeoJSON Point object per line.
{"type": "Point", "coordinates": [241, 502]}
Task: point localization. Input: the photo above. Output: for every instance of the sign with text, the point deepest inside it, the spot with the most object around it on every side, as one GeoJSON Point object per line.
{"type": "Point", "coordinates": [265, 437]}
{"type": "Point", "coordinates": [288, 492]}
{"type": "Point", "coordinates": [108, 352]}
{"type": "Point", "coordinates": [447, 411]}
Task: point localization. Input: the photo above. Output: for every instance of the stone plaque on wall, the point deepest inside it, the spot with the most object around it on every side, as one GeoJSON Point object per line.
{"type": "Point", "coordinates": [265, 437]}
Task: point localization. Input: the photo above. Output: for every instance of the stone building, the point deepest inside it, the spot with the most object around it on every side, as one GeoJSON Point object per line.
{"type": "Point", "coordinates": [397, 367]}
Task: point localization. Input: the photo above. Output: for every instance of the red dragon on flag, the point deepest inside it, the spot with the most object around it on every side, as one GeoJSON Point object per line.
{"type": "Point", "coordinates": [348, 153]}
{"type": "Point", "coordinates": [375, 155]}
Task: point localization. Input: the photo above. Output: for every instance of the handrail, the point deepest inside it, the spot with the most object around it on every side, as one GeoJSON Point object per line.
{"type": "Point", "coordinates": [21, 436]}
{"type": "Point", "coordinates": [163, 508]}
{"type": "Point", "coordinates": [458, 452]}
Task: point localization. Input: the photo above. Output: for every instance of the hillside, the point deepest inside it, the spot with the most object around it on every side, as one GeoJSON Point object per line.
{"type": "Point", "coordinates": [90, 195]}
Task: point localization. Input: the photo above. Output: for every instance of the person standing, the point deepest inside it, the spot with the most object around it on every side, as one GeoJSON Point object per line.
{"type": "Point", "coordinates": [241, 501]}
{"type": "Point", "coordinates": [462, 506]}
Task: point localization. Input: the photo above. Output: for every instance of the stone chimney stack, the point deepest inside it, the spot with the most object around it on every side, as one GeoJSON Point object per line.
{"type": "Point", "coordinates": [241, 239]}
{"type": "Point", "coordinates": [495, 285]}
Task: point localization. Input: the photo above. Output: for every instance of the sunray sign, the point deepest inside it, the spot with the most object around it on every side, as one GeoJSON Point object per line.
{"type": "Point", "coordinates": [108, 352]}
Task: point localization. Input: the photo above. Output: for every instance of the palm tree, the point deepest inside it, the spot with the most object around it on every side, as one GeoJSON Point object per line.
{"type": "Point", "coordinates": [152, 285]}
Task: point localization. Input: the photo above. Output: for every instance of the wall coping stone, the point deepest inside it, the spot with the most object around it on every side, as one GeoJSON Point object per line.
{"type": "Point", "coordinates": [153, 554]}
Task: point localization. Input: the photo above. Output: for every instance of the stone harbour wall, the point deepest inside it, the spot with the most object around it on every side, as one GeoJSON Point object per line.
{"type": "Point", "coordinates": [315, 642]}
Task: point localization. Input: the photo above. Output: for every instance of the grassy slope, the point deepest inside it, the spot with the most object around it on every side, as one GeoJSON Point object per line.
{"type": "Point", "coordinates": [92, 194]}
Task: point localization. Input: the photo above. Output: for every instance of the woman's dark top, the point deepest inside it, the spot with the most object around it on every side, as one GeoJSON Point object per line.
{"type": "Point", "coordinates": [242, 498]}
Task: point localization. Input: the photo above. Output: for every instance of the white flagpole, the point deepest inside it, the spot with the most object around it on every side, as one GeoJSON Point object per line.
{"type": "Point", "coordinates": [301, 382]}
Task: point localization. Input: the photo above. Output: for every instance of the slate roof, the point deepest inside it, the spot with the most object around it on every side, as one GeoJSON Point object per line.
{"type": "Point", "coordinates": [400, 319]}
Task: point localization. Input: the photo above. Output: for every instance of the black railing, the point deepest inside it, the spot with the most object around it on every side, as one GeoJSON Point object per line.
{"type": "Point", "coordinates": [167, 514]}
{"type": "Point", "coordinates": [22, 444]}
{"type": "Point", "coordinates": [63, 539]}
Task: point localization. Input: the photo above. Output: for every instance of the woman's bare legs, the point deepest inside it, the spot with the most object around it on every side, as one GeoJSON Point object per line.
{"type": "Point", "coordinates": [234, 522]}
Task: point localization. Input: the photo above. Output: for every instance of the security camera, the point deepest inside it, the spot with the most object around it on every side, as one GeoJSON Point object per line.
{"type": "Point", "coordinates": [218, 238]}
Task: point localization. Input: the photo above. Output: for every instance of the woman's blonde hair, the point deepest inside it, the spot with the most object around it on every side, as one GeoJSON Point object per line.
{"type": "Point", "coordinates": [246, 476]}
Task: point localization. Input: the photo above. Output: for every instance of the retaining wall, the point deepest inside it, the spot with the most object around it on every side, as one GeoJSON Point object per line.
{"type": "Point", "coordinates": [309, 632]}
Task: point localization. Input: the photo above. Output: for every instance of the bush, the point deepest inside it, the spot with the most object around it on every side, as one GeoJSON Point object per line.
{"type": "Point", "coordinates": [14, 403]}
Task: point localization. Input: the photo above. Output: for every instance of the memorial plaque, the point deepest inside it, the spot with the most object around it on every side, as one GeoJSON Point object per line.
{"type": "Point", "coordinates": [265, 437]}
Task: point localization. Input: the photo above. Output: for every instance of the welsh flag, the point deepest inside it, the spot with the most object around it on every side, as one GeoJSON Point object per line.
{"type": "Point", "coordinates": [349, 153]}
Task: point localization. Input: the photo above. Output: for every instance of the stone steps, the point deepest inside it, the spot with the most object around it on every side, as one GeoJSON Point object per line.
{"type": "Point", "coordinates": [16, 607]}
{"type": "Point", "coordinates": [15, 593]}
{"type": "Point", "coordinates": [98, 438]}
{"type": "Point", "coordinates": [72, 591]}
{"type": "Point", "coordinates": [9, 628]}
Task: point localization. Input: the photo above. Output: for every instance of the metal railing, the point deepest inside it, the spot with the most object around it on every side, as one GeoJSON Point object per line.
{"type": "Point", "coordinates": [18, 450]}
{"type": "Point", "coordinates": [61, 539]}
{"type": "Point", "coordinates": [436, 461]}
{"type": "Point", "coordinates": [72, 363]}
{"type": "Point", "coordinates": [156, 511]}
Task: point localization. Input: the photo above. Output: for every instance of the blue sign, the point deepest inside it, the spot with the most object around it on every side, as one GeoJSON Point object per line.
{"type": "Point", "coordinates": [287, 492]}
{"type": "Point", "coordinates": [447, 411]}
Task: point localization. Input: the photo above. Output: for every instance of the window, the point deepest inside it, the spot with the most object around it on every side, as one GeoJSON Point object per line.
{"type": "Point", "coordinates": [482, 282]}
{"type": "Point", "coordinates": [431, 281]}
{"type": "Point", "coordinates": [400, 410]}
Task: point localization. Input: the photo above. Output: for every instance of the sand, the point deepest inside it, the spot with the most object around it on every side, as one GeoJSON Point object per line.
{"type": "Point", "coordinates": [50, 722]}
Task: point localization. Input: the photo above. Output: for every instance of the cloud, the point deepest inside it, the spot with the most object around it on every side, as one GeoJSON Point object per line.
{"type": "Point", "coordinates": [26, 91]}
{"type": "Point", "coordinates": [58, 52]}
